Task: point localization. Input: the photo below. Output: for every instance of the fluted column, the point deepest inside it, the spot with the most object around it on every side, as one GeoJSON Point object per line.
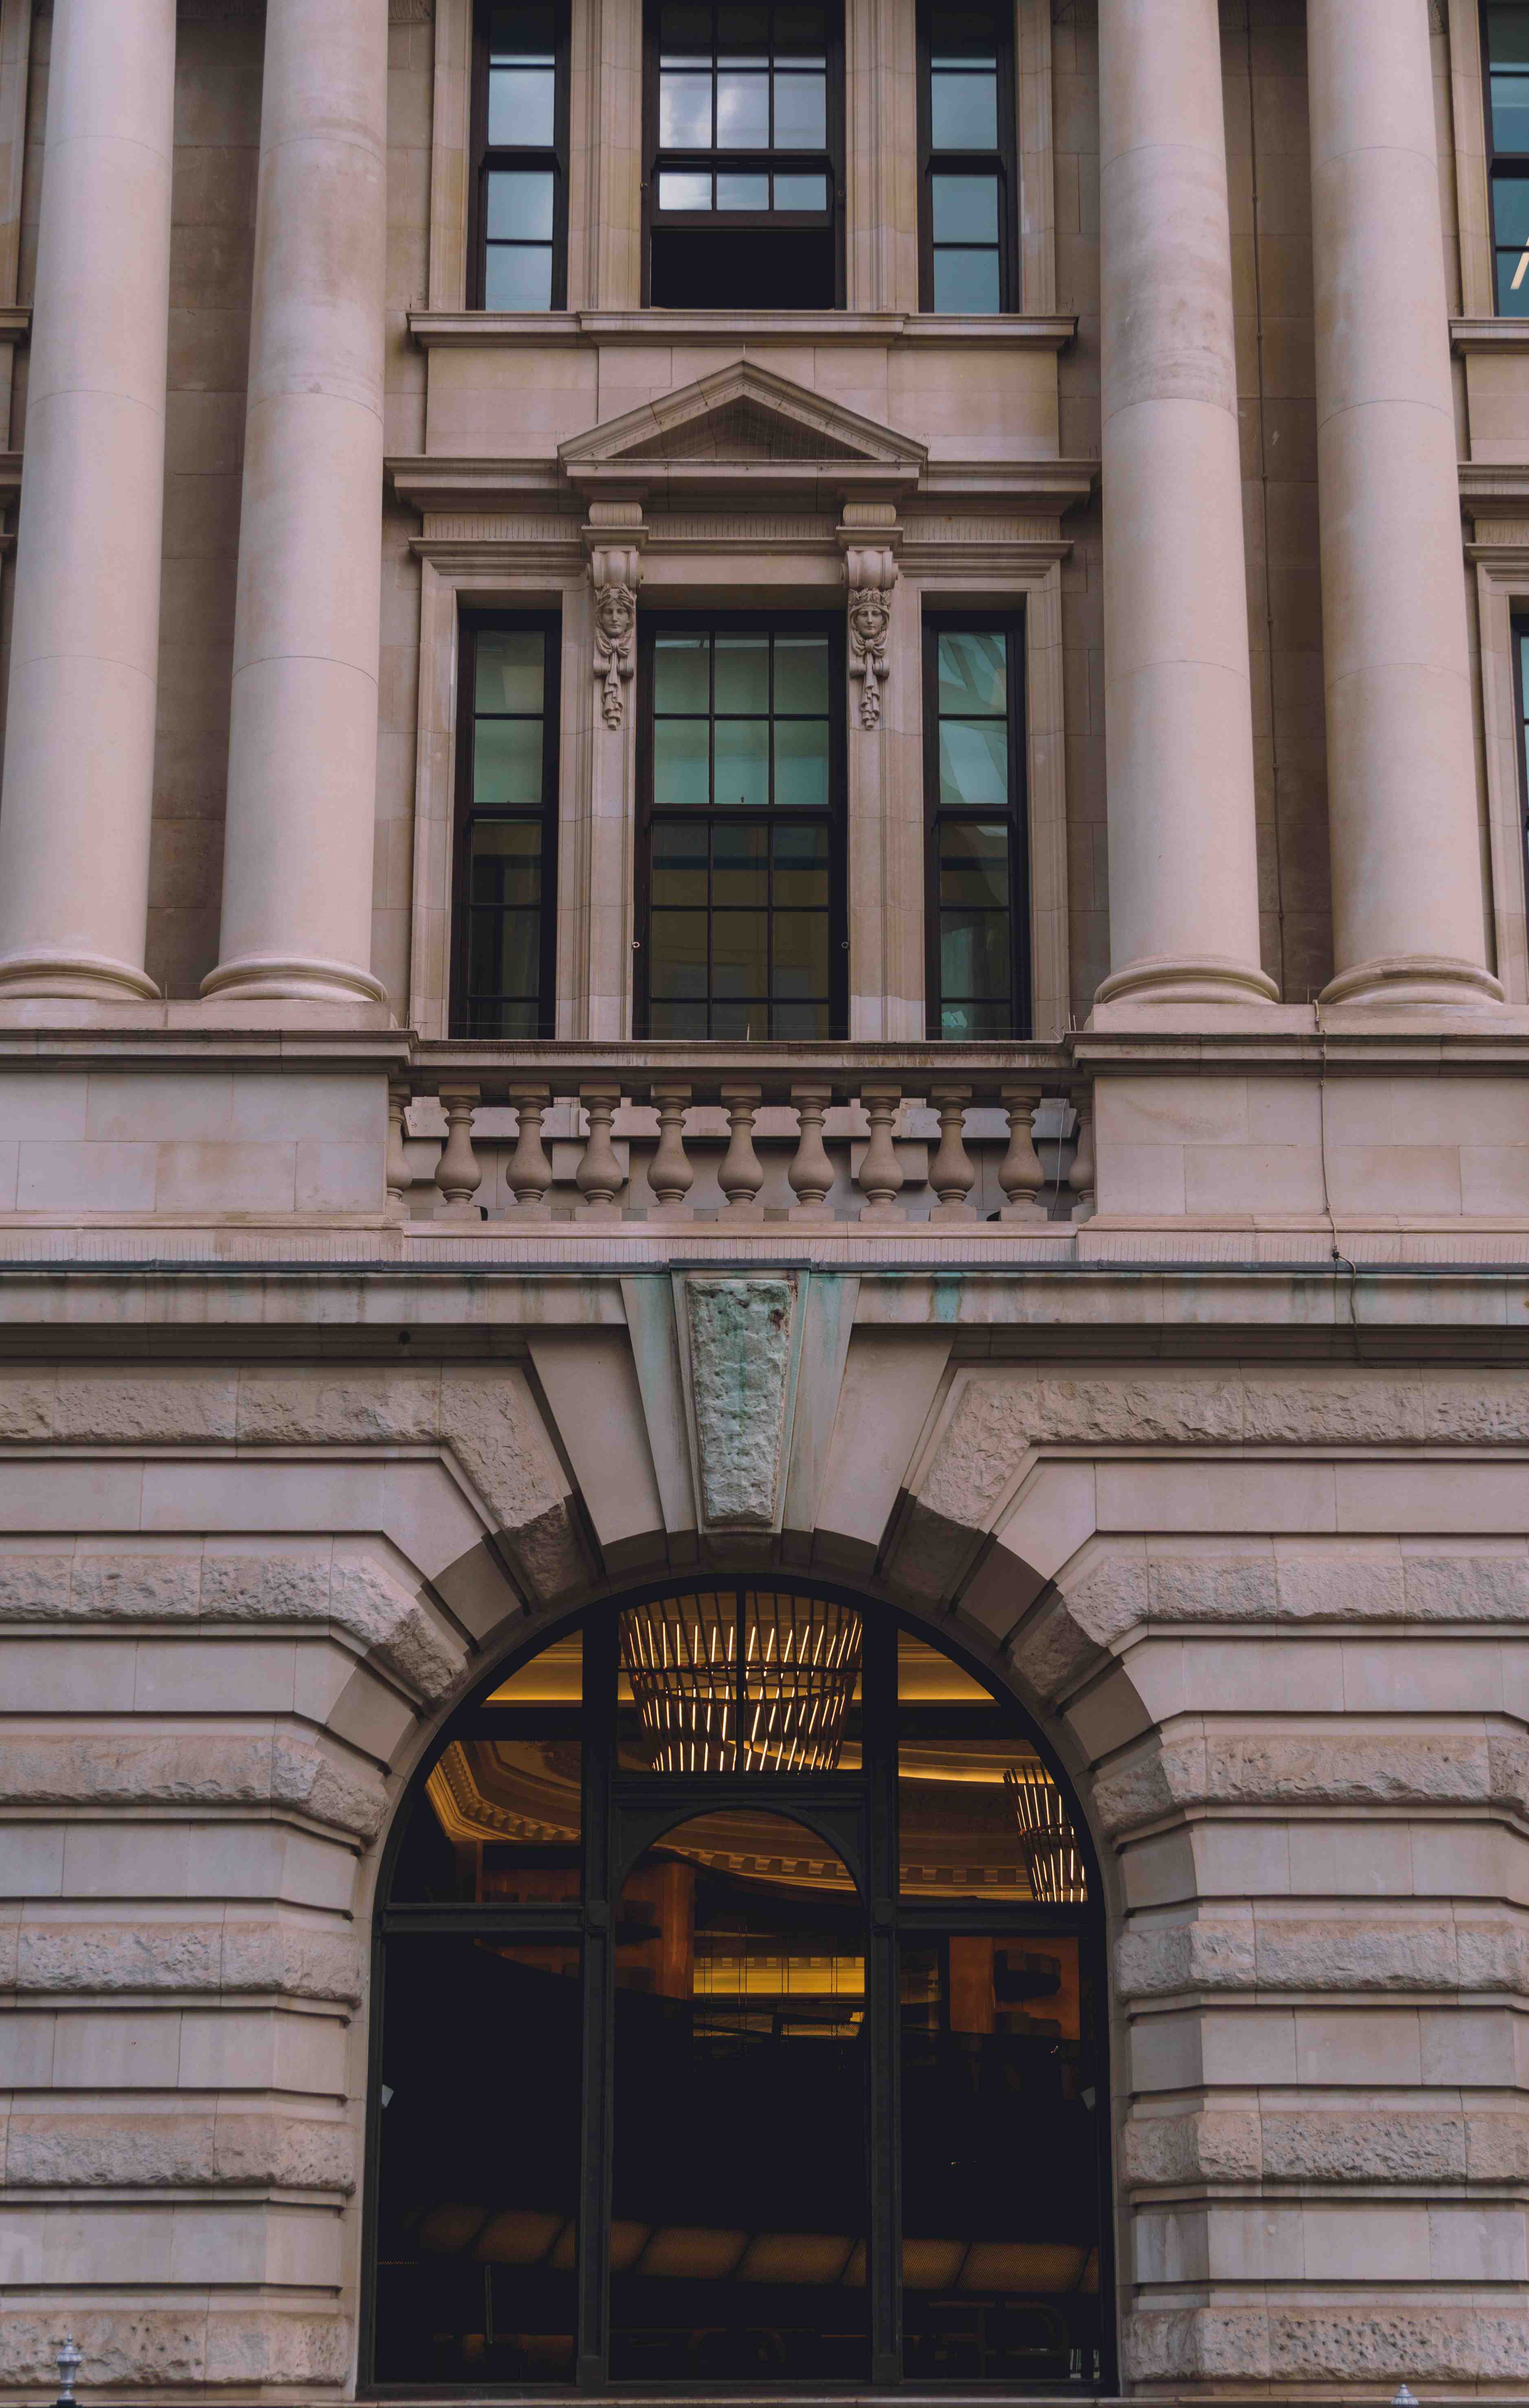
{"type": "Point", "coordinates": [302, 758]}
{"type": "Point", "coordinates": [77, 796]}
{"type": "Point", "coordinates": [1407, 905]}
{"type": "Point", "coordinates": [1183, 869]}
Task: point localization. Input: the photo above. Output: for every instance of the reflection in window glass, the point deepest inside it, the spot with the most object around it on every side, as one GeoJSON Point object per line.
{"type": "Point", "coordinates": [504, 893]}
{"type": "Point", "coordinates": [741, 78]}
{"type": "Point", "coordinates": [966, 168]}
{"type": "Point", "coordinates": [519, 191]}
{"type": "Point", "coordinates": [739, 2208]}
{"type": "Point", "coordinates": [972, 867]}
{"type": "Point", "coordinates": [1508, 132]}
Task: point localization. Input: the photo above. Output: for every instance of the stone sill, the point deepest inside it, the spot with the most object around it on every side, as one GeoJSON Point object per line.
{"type": "Point", "coordinates": [1468, 334]}
{"type": "Point", "coordinates": [496, 329]}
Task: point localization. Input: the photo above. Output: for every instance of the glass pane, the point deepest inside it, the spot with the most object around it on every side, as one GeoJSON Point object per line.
{"type": "Point", "coordinates": [800, 1658]}
{"type": "Point", "coordinates": [735, 192]}
{"type": "Point", "coordinates": [801, 673]}
{"type": "Point", "coordinates": [507, 761]}
{"type": "Point", "coordinates": [478, 2179]}
{"type": "Point", "coordinates": [509, 669]}
{"type": "Point", "coordinates": [685, 33]}
{"type": "Point", "coordinates": [743, 763]}
{"type": "Point", "coordinates": [679, 761]}
{"type": "Point", "coordinates": [965, 208]}
{"type": "Point", "coordinates": [740, 867]}
{"type": "Point", "coordinates": [676, 966]}
{"type": "Point", "coordinates": [974, 866]}
{"type": "Point", "coordinates": [1510, 210]}
{"type": "Point", "coordinates": [504, 952]}
{"type": "Point", "coordinates": [743, 110]}
{"type": "Point", "coordinates": [974, 762]}
{"type": "Point", "coordinates": [522, 33]}
{"type": "Point", "coordinates": [1510, 111]}
{"type": "Point", "coordinates": [517, 276]}
{"type": "Point", "coordinates": [801, 866]}
{"type": "Point", "coordinates": [554, 1678]}
{"type": "Point", "coordinates": [521, 107]}
{"type": "Point", "coordinates": [799, 955]}
{"type": "Point", "coordinates": [678, 190]}
{"type": "Point", "coordinates": [683, 673]}
{"type": "Point", "coordinates": [738, 955]}
{"type": "Point", "coordinates": [801, 763]}
{"type": "Point", "coordinates": [1507, 33]}
{"type": "Point", "coordinates": [801, 112]}
{"type": "Point", "coordinates": [964, 111]}
{"type": "Point", "coordinates": [740, 2110]}
{"type": "Point", "coordinates": [1000, 2141]}
{"type": "Point", "coordinates": [519, 204]}
{"type": "Point", "coordinates": [680, 863]}
{"type": "Point", "coordinates": [966, 283]}
{"type": "Point", "coordinates": [800, 1021]}
{"type": "Point", "coordinates": [1513, 283]}
{"type": "Point", "coordinates": [801, 191]}
{"type": "Point", "coordinates": [972, 670]}
{"type": "Point", "coordinates": [499, 1824]}
{"type": "Point", "coordinates": [504, 862]}
{"type": "Point", "coordinates": [926, 1676]}
{"type": "Point", "coordinates": [677, 1019]}
{"type": "Point", "coordinates": [743, 673]}
{"type": "Point", "coordinates": [684, 111]}
{"type": "Point", "coordinates": [974, 954]}
{"type": "Point", "coordinates": [970, 1022]}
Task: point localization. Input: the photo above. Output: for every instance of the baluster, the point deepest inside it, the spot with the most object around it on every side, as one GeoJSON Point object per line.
{"type": "Point", "coordinates": [1020, 1173]}
{"type": "Point", "coordinates": [459, 1174]}
{"type": "Point", "coordinates": [881, 1175]}
{"type": "Point", "coordinates": [742, 1174]}
{"type": "Point", "coordinates": [950, 1174]}
{"type": "Point", "coordinates": [529, 1174]}
{"type": "Point", "coordinates": [811, 1173]}
{"type": "Point", "coordinates": [599, 1177]}
{"type": "Point", "coordinates": [396, 1172]}
{"type": "Point", "coordinates": [671, 1174]}
{"type": "Point", "coordinates": [1082, 1176]}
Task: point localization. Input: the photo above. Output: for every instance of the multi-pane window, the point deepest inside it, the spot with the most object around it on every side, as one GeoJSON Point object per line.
{"type": "Point", "coordinates": [520, 202]}
{"type": "Point", "coordinates": [1521, 689]}
{"type": "Point", "coordinates": [507, 821]}
{"type": "Point", "coordinates": [741, 865]}
{"type": "Point", "coordinates": [743, 139]}
{"type": "Point", "coordinates": [977, 871]}
{"type": "Point", "coordinates": [967, 178]}
{"type": "Point", "coordinates": [1506, 24]}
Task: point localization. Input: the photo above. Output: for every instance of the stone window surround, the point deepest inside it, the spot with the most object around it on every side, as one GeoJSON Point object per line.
{"type": "Point", "coordinates": [605, 162]}
{"type": "Point", "coordinates": [1499, 553]}
{"type": "Point", "coordinates": [536, 564]}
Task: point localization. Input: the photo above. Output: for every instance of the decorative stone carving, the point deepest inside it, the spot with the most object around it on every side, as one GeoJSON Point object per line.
{"type": "Point", "coordinates": [870, 574]}
{"type": "Point", "coordinates": [740, 1356]}
{"type": "Point", "coordinates": [616, 573]}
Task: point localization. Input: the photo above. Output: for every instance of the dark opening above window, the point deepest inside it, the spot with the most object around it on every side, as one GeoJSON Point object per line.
{"type": "Point", "coordinates": [743, 147]}
{"type": "Point", "coordinates": [1505, 24]}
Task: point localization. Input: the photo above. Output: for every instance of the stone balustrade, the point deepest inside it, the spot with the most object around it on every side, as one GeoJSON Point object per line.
{"type": "Point", "coordinates": [737, 1139]}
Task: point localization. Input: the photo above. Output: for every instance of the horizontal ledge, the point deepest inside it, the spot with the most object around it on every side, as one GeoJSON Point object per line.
{"type": "Point", "coordinates": [538, 330]}
{"type": "Point", "coordinates": [1468, 335]}
{"type": "Point", "coordinates": [444, 484]}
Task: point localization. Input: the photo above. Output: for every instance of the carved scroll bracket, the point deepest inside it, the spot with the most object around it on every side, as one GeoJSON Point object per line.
{"type": "Point", "coordinates": [615, 573]}
{"type": "Point", "coordinates": [870, 572]}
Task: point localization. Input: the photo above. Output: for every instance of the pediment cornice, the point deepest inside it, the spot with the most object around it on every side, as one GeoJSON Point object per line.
{"type": "Point", "coordinates": [742, 424]}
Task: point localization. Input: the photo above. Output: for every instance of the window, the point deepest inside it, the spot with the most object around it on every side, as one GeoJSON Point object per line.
{"type": "Point", "coordinates": [977, 868]}
{"type": "Point", "coordinates": [968, 180]}
{"type": "Point", "coordinates": [1506, 48]}
{"type": "Point", "coordinates": [656, 2098]}
{"type": "Point", "coordinates": [741, 901]}
{"type": "Point", "coordinates": [1521, 693]}
{"type": "Point", "coordinates": [744, 112]}
{"type": "Point", "coordinates": [506, 885]}
{"type": "Point", "coordinates": [520, 235]}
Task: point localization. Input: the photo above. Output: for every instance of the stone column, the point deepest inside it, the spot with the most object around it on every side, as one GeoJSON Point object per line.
{"type": "Point", "coordinates": [302, 754]}
{"type": "Point", "coordinates": [1408, 904]}
{"type": "Point", "coordinates": [1183, 869]}
{"type": "Point", "coordinates": [80, 740]}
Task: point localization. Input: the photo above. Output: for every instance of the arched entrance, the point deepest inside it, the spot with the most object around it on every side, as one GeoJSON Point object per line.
{"type": "Point", "coordinates": [739, 2017]}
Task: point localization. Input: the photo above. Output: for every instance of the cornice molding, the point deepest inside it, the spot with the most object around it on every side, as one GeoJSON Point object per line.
{"type": "Point", "coordinates": [543, 330]}
{"type": "Point", "coordinates": [1468, 334]}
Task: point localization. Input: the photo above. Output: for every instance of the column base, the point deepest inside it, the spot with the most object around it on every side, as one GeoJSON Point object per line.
{"type": "Point", "coordinates": [1415, 982]}
{"type": "Point", "coordinates": [87, 978]}
{"type": "Point", "coordinates": [275, 978]}
{"type": "Point", "coordinates": [1188, 978]}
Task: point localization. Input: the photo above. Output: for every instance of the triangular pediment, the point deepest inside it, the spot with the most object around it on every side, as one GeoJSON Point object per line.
{"type": "Point", "coordinates": [745, 415]}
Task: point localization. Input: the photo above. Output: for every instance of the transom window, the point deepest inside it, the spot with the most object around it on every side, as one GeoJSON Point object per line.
{"type": "Point", "coordinates": [1506, 27]}
{"type": "Point", "coordinates": [976, 867]}
{"type": "Point", "coordinates": [741, 889]}
{"type": "Point", "coordinates": [740, 2020]}
{"type": "Point", "coordinates": [506, 826]}
{"type": "Point", "coordinates": [969, 180]}
{"type": "Point", "coordinates": [520, 141]}
{"type": "Point", "coordinates": [742, 192]}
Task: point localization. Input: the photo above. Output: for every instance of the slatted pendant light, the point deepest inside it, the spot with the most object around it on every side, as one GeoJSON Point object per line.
{"type": "Point", "coordinates": [1057, 1874]}
{"type": "Point", "coordinates": [750, 1681]}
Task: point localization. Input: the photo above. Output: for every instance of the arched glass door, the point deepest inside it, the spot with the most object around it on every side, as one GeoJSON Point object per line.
{"type": "Point", "coordinates": [738, 2020]}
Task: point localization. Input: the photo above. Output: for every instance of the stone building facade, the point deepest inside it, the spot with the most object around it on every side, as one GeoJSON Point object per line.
{"type": "Point", "coordinates": [1048, 1175]}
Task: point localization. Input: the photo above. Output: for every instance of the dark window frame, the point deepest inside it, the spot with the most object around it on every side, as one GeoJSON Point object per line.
{"type": "Point", "coordinates": [856, 1814]}
{"type": "Point", "coordinates": [836, 818]}
{"type": "Point", "coordinates": [720, 223]}
{"type": "Point", "coordinates": [486, 158]}
{"type": "Point", "coordinates": [1006, 160]}
{"type": "Point", "coordinates": [1012, 623]}
{"type": "Point", "coordinates": [466, 810]}
{"type": "Point", "coordinates": [1518, 636]}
